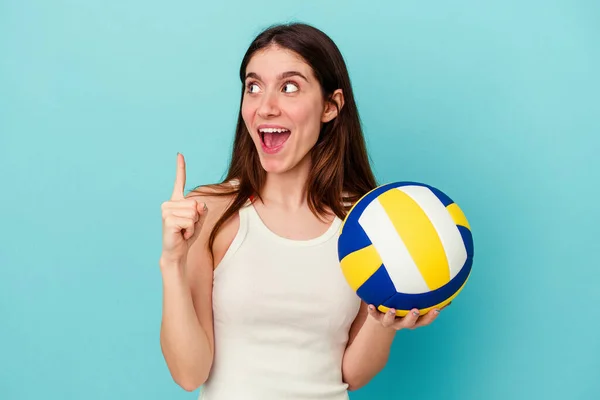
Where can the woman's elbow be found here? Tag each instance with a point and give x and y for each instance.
(189, 384)
(355, 384)
(353, 379)
(190, 378)
(357, 377)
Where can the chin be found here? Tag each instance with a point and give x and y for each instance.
(274, 166)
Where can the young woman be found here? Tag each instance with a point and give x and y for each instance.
(255, 305)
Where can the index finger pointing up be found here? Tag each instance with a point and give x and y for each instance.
(179, 179)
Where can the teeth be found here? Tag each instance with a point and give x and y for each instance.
(273, 130)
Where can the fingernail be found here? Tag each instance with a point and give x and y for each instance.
(415, 312)
(371, 307)
(437, 311)
(205, 207)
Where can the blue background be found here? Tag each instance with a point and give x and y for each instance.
(494, 102)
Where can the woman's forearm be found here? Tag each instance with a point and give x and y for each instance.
(367, 354)
(184, 342)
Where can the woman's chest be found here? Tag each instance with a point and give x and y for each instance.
(299, 288)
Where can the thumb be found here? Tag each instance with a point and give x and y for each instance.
(202, 211)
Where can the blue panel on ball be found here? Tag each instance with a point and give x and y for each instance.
(402, 301)
(467, 237)
(378, 288)
(353, 238)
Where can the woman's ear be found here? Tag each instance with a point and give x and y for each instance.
(333, 106)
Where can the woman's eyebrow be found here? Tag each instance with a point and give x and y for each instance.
(289, 74)
(284, 75)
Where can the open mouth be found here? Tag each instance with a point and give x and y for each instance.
(273, 139)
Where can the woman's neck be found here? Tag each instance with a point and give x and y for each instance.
(288, 189)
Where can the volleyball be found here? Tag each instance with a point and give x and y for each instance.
(406, 245)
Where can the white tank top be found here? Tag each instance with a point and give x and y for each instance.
(282, 312)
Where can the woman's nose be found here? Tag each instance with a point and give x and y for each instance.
(268, 106)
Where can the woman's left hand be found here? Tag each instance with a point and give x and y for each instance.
(412, 320)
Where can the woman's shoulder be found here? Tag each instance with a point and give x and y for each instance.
(215, 194)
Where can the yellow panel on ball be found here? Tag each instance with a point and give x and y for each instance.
(360, 265)
(457, 215)
(419, 235)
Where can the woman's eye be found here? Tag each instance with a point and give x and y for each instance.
(290, 87)
(252, 88)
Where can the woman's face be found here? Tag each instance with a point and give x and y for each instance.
(283, 108)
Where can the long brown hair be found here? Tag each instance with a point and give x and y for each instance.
(340, 163)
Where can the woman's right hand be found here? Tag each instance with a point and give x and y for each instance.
(182, 220)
